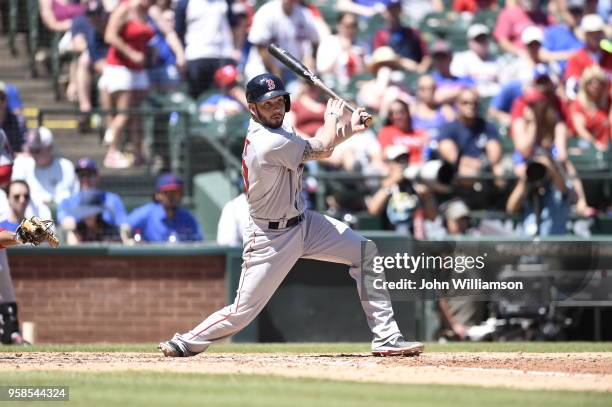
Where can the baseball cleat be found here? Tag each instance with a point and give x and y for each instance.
(399, 347)
(174, 349)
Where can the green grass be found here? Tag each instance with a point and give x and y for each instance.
(545, 347)
(165, 389)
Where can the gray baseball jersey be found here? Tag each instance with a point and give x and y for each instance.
(272, 168)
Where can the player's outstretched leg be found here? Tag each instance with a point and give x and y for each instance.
(331, 240)
(267, 260)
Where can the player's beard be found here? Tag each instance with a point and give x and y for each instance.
(273, 124)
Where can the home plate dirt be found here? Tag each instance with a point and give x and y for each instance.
(558, 371)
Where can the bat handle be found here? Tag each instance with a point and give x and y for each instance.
(367, 121)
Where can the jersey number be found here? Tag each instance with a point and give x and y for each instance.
(245, 169)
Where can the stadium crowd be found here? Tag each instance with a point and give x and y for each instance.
(499, 104)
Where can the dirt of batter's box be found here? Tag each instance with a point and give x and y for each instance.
(561, 371)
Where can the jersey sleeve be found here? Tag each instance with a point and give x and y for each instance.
(278, 150)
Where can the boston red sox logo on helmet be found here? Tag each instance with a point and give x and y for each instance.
(266, 86)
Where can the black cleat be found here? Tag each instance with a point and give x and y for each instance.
(174, 349)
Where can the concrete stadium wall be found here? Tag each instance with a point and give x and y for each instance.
(116, 294)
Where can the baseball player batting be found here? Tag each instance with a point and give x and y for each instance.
(280, 230)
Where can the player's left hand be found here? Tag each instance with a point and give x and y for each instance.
(359, 118)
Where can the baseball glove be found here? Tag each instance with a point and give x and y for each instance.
(36, 231)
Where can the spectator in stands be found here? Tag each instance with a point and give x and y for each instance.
(164, 220)
(448, 85)
(90, 224)
(458, 312)
(307, 111)
(398, 131)
(590, 113)
(477, 62)
(21, 206)
(470, 142)
(18, 198)
(32, 208)
(230, 100)
(404, 204)
(13, 99)
(521, 67)
(593, 27)
(113, 213)
(474, 6)
(341, 56)
(404, 40)
(387, 86)
(234, 220)
(91, 61)
(427, 114)
(588, 7)
(205, 29)
(128, 32)
(539, 128)
(539, 108)
(51, 178)
(161, 64)
(546, 184)
(565, 37)
(513, 20)
(58, 16)
(291, 26)
(11, 124)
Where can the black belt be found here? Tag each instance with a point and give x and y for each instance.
(290, 222)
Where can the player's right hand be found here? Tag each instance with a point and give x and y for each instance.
(335, 109)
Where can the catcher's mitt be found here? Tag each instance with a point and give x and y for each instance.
(36, 231)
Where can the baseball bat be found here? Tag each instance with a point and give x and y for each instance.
(303, 72)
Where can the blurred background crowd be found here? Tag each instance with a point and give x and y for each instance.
(491, 117)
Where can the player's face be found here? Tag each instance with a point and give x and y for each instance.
(271, 112)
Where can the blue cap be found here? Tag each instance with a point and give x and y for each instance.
(86, 164)
(169, 182)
